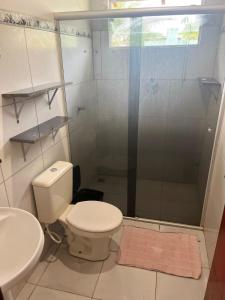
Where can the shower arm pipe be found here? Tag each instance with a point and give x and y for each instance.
(141, 12)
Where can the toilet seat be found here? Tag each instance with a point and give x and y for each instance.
(94, 217)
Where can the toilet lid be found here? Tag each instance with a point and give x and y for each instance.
(94, 216)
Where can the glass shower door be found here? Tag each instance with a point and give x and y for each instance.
(96, 61)
(179, 103)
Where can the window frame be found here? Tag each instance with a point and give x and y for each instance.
(152, 46)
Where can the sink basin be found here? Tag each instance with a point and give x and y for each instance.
(22, 241)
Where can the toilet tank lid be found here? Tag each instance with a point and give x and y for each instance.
(52, 174)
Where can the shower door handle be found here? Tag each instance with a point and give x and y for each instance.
(80, 108)
(209, 130)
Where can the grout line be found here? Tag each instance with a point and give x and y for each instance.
(32, 291)
(54, 289)
(33, 159)
(156, 283)
(98, 278)
(198, 228)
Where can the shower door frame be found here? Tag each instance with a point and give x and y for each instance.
(134, 83)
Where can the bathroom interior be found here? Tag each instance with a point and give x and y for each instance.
(139, 107)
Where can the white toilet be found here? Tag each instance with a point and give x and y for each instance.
(89, 225)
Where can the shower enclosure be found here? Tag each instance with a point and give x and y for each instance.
(144, 105)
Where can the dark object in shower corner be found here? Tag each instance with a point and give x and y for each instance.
(83, 194)
(1, 295)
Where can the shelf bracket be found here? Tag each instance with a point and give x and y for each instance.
(54, 133)
(50, 99)
(24, 151)
(17, 111)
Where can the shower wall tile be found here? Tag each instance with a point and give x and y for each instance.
(112, 162)
(151, 134)
(169, 63)
(81, 100)
(162, 62)
(184, 135)
(201, 59)
(150, 165)
(186, 99)
(81, 104)
(148, 62)
(83, 152)
(113, 98)
(181, 168)
(3, 197)
(154, 98)
(19, 188)
(77, 58)
(112, 127)
(115, 60)
(97, 54)
(112, 133)
(14, 70)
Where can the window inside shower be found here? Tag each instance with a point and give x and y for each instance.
(163, 31)
(144, 115)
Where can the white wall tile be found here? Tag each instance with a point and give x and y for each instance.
(14, 67)
(154, 98)
(43, 56)
(10, 152)
(97, 54)
(77, 58)
(114, 60)
(59, 151)
(3, 196)
(19, 187)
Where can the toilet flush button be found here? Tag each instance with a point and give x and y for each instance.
(53, 170)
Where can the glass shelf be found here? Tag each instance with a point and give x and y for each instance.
(209, 81)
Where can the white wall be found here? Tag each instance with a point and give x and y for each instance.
(43, 8)
(28, 57)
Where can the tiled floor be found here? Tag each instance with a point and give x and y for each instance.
(63, 277)
(158, 200)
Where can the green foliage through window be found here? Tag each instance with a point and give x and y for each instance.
(155, 31)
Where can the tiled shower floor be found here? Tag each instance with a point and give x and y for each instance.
(63, 277)
(166, 201)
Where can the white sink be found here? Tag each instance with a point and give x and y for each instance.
(21, 244)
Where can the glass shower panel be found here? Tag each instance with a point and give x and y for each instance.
(179, 102)
(96, 59)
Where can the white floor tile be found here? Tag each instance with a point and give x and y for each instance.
(47, 258)
(26, 292)
(176, 288)
(42, 293)
(71, 274)
(115, 242)
(124, 283)
(198, 233)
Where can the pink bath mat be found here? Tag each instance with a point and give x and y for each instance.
(172, 253)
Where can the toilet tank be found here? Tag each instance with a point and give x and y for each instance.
(53, 191)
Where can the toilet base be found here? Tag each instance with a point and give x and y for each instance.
(93, 249)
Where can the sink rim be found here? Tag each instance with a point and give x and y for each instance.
(32, 260)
